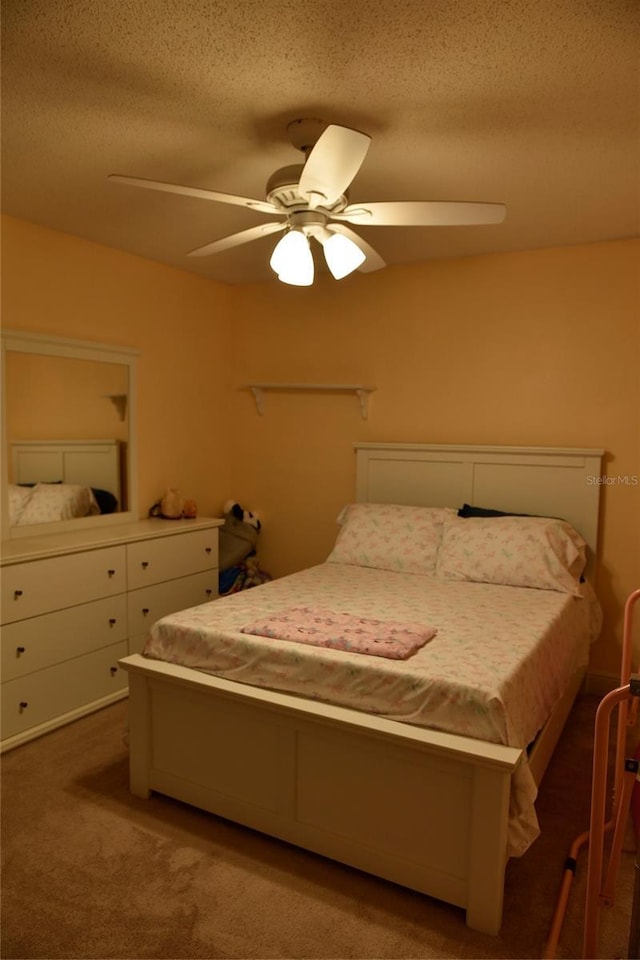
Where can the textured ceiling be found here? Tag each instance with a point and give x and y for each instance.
(534, 103)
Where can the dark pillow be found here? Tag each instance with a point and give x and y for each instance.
(466, 510)
(36, 482)
(105, 500)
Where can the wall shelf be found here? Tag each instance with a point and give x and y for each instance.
(361, 391)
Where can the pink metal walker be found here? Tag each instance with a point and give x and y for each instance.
(625, 697)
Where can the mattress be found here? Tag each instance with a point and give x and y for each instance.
(500, 659)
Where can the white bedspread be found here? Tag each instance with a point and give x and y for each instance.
(501, 658)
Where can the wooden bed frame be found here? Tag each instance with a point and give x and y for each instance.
(426, 809)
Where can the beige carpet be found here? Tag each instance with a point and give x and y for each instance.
(90, 871)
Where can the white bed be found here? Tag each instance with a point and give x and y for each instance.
(423, 807)
(63, 480)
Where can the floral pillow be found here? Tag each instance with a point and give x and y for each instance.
(58, 501)
(517, 551)
(390, 536)
(18, 499)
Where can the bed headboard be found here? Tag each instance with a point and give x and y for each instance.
(556, 482)
(90, 463)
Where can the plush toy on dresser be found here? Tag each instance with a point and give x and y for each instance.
(238, 537)
(173, 506)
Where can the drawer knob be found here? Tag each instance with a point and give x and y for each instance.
(209, 592)
(23, 705)
(20, 650)
(17, 594)
(111, 573)
(145, 610)
(144, 564)
(207, 549)
(113, 671)
(112, 621)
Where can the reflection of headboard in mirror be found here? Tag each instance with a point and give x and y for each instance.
(91, 463)
(68, 393)
(62, 481)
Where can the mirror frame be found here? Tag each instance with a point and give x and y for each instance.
(48, 345)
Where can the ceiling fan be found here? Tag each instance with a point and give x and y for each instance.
(311, 201)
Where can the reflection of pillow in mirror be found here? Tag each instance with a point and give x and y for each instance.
(50, 502)
(18, 499)
(106, 501)
(516, 551)
(390, 536)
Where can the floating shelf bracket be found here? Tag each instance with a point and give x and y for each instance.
(360, 390)
(119, 400)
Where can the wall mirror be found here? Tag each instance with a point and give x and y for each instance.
(68, 434)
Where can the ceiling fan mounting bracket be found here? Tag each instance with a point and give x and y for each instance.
(305, 133)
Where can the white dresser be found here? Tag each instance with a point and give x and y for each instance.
(74, 603)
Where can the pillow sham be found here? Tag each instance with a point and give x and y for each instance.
(390, 536)
(517, 551)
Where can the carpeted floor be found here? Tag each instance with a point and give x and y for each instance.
(91, 872)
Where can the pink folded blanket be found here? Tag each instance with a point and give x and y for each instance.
(344, 631)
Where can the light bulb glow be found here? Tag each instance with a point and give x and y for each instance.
(292, 259)
(343, 256)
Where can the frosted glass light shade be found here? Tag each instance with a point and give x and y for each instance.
(343, 256)
(292, 259)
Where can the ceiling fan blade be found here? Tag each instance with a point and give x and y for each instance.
(262, 206)
(422, 214)
(235, 239)
(373, 259)
(332, 164)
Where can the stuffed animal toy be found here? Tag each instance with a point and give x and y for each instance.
(173, 506)
(238, 536)
(246, 516)
(170, 507)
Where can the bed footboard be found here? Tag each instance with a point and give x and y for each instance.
(423, 809)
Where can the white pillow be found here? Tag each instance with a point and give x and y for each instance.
(390, 536)
(517, 551)
(18, 499)
(58, 501)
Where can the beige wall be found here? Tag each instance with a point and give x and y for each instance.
(63, 398)
(532, 348)
(54, 283)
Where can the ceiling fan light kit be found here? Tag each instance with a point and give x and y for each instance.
(292, 259)
(311, 201)
(342, 255)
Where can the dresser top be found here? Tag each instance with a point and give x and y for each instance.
(56, 544)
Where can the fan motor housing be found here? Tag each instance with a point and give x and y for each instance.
(282, 189)
(282, 186)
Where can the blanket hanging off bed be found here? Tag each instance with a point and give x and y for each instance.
(344, 631)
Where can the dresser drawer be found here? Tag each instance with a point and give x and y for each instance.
(149, 604)
(152, 561)
(29, 589)
(41, 696)
(39, 642)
